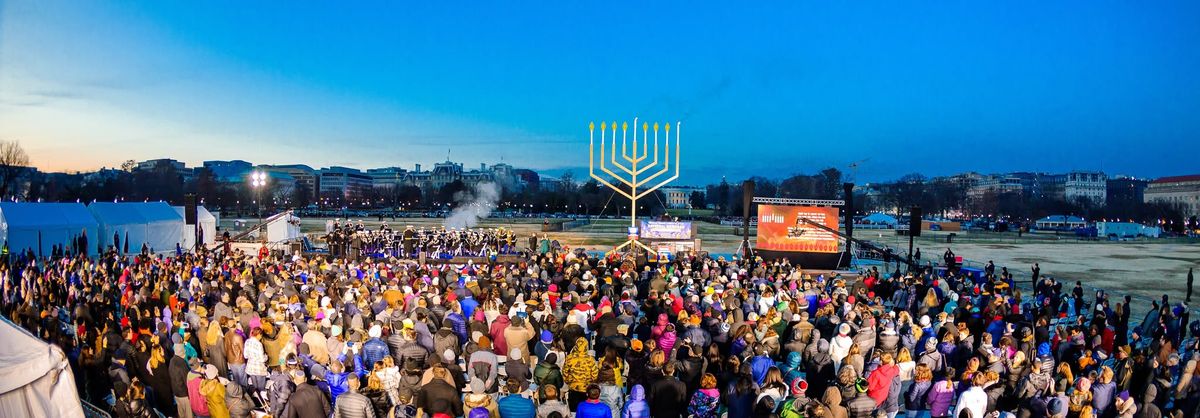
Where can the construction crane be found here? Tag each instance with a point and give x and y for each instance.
(854, 168)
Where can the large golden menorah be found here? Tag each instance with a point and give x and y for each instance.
(632, 173)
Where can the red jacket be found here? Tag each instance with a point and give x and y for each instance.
(880, 381)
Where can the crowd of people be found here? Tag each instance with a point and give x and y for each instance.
(217, 333)
(356, 241)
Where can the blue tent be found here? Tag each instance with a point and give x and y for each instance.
(41, 226)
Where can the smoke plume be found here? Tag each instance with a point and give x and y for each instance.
(473, 205)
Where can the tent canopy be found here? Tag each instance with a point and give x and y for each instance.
(880, 218)
(27, 225)
(207, 223)
(155, 224)
(35, 377)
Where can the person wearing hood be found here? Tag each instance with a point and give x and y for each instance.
(819, 368)
(578, 372)
(792, 368)
(375, 349)
(1124, 405)
(839, 346)
(214, 393)
(636, 406)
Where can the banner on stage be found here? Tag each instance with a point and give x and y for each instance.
(666, 230)
(779, 228)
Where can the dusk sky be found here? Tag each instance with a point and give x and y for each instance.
(770, 89)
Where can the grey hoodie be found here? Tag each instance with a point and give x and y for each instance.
(237, 402)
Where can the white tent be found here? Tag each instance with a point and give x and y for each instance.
(283, 227)
(208, 227)
(35, 377)
(155, 224)
(30, 225)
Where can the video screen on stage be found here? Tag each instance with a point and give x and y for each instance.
(779, 228)
(666, 230)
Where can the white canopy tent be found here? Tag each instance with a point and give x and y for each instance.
(154, 224)
(208, 227)
(41, 226)
(35, 377)
(283, 227)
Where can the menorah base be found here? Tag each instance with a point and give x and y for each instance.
(631, 245)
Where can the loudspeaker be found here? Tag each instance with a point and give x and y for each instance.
(747, 199)
(189, 209)
(914, 221)
(848, 210)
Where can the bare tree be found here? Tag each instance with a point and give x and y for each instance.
(13, 162)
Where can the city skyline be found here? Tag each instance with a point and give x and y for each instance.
(772, 91)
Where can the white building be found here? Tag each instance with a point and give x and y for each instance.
(1180, 192)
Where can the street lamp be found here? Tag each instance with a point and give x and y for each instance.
(258, 180)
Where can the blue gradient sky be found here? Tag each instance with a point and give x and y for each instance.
(771, 89)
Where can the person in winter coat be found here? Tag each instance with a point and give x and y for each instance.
(706, 401)
(579, 371)
(1124, 405)
(235, 399)
(592, 407)
(353, 404)
(214, 393)
(306, 401)
(792, 368)
(915, 404)
(861, 406)
(281, 390)
(941, 396)
(839, 346)
(1103, 392)
(483, 366)
(636, 406)
(666, 341)
(551, 404)
(974, 399)
(833, 403)
(515, 404)
(879, 382)
(667, 395)
(797, 402)
(518, 334)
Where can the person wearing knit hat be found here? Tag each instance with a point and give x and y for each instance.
(636, 345)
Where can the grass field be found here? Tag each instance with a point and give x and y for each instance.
(1147, 268)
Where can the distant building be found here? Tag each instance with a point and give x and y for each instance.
(679, 197)
(346, 183)
(1126, 190)
(228, 171)
(1076, 185)
(1180, 192)
(387, 177)
(996, 183)
(302, 176)
(166, 163)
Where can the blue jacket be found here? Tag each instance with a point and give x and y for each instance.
(636, 406)
(587, 409)
(458, 324)
(374, 350)
(758, 368)
(337, 384)
(516, 406)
